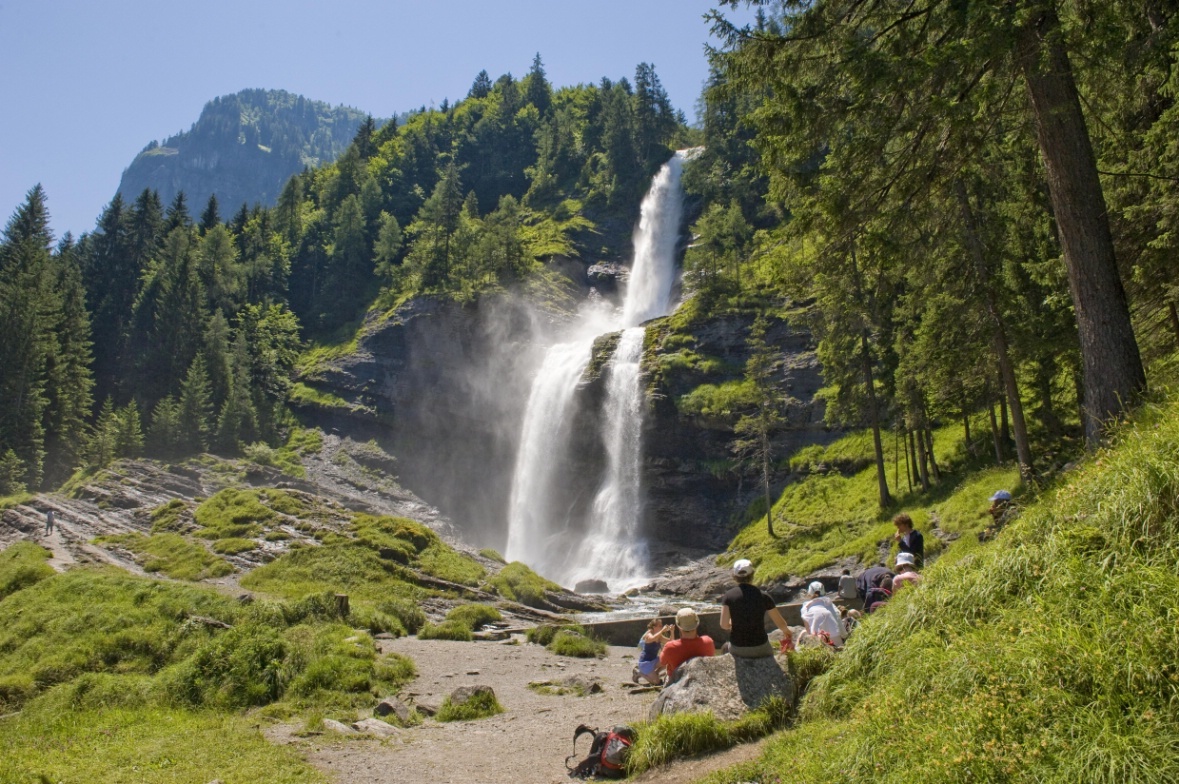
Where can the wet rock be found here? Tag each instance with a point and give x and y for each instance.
(591, 586)
(726, 686)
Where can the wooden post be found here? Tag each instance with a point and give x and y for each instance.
(342, 605)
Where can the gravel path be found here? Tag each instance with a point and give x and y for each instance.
(527, 744)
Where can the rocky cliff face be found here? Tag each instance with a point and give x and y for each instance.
(443, 386)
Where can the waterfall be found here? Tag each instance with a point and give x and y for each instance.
(607, 545)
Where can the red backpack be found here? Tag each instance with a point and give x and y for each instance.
(607, 754)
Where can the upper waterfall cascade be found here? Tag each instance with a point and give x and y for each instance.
(606, 543)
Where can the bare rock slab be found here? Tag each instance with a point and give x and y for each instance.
(727, 686)
(375, 727)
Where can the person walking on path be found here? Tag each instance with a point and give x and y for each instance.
(908, 538)
(688, 646)
(743, 615)
(49, 522)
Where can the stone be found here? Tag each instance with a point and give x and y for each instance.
(727, 686)
(463, 693)
(392, 706)
(331, 725)
(426, 708)
(591, 586)
(375, 727)
(582, 683)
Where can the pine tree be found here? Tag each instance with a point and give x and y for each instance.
(238, 420)
(537, 90)
(481, 87)
(211, 216)
(196, 408)
(165, 436)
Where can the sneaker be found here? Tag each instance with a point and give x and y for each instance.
(634, 675)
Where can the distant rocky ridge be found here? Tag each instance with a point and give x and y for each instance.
(243, 148)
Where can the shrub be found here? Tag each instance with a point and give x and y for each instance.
(544, 633)
(474, 616)
(447, 630)
(331, 568)
(169, 517)
(238, 668)
(234, 546)
(404, 610)
(445, 563)
(21, 565)
(479, 706)
(681, 735)
(568, 642)
(396, 670)
(232, 513)
(173, 555)
(492, 555)
(375, 621)
(517, 583)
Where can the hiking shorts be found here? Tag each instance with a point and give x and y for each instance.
(647, 668)
(752, 651)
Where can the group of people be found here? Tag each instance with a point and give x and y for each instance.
(745, 607)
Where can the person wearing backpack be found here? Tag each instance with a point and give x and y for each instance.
(878, 595)
(870, 578)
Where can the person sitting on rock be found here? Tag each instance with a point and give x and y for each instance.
(821, 616)
(906, 572)
(847, 585)
(743, 615)
(869, 579)
(878, 595)
(688, 646)
(648, 667)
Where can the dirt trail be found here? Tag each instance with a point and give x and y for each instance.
(527, 744)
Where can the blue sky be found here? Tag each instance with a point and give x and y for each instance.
(85, 84)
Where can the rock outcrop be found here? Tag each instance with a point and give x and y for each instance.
(725, 685)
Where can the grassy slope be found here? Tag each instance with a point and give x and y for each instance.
(1051, 654)
(831, 515)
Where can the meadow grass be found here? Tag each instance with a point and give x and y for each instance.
(479, 706)
(568, 642)
(474, 616)
(174, 555)
(22, 564)
(132, 745)
(1048, 655)
(447, 630)
(517, 583)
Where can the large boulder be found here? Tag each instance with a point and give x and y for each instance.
(727, 686)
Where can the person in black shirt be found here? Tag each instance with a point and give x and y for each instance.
(870, 578)
(743, 615)
(908, 538)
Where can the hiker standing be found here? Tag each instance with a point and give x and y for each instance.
(49, 522)
(908, 538)
(743, 615)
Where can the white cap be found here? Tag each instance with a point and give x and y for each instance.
(743, 568)
(906, 558)
(1002, 495)
(815, 589)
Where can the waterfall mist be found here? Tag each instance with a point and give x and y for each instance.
(551, 527)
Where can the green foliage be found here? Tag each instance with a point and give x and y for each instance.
(474, 616)
(684, 735)
(123, 745)
(573, 642)
(232, 513)
(176, 556)
(517, 583)
(233, 545)
(449, 629)
(404, 610)
(724, 401)
(22, 564)
(1047, 655)
(336, 568)
(492, 555)
(442, 561)
(479, 706)
(169, 517)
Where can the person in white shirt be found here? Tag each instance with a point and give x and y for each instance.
(821, 616)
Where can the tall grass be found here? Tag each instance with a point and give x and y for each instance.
(1050, 655)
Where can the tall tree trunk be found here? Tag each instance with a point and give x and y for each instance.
(1045, 372)
(995, 435)
(966, 433)
(870, 390)
(934, 471)
(924, 480)
(974, 246)
(922, 461)
(908, 465)
(1004, 427)
(1113, 373)
(1174, 315)
(765, 483)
